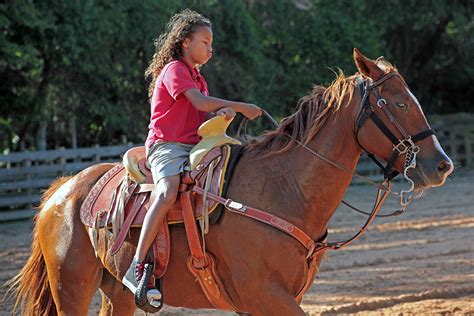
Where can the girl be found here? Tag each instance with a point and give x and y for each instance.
(179, 102)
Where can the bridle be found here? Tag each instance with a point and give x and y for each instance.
(406, 145)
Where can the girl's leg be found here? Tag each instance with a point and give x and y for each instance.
(166, 192)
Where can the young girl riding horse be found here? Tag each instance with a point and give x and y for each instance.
(179, 101)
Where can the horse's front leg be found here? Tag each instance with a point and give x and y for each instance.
(115, 299)
(275, 301)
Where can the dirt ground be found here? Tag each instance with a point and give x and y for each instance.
(421, 262)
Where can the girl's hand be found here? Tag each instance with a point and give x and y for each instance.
(228, 113)
(251, 111)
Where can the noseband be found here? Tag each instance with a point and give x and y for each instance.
(405, 145)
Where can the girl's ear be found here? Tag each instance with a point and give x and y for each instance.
(186, 42)
(366, 66)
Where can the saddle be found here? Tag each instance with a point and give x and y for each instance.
(119, 202)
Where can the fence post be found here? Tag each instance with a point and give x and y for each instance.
(62, 159)
(468, 147)
(453, 144)
(96, 155)
(28, 164)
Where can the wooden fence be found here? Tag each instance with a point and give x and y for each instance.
(23, 175)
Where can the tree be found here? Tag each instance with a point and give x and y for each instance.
(432, 45)
(72, 73)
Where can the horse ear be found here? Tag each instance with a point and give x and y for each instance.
(383, 64)
(366, 66)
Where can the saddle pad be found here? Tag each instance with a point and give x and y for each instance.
(236, 152)
(102, 199)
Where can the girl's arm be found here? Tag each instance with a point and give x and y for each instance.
(212, 104)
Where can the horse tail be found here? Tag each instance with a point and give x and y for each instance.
(30, 287)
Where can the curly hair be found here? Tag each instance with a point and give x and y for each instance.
(168, 44)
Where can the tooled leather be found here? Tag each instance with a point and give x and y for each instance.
(91, 205)
(161, 250)
(211, 284)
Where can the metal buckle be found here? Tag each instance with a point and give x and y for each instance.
(311, 246)
(402, 147)
(235, 206)
(381, 102)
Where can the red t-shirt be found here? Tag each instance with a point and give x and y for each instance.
(173, 118)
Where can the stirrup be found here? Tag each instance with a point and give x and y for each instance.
(149, 300)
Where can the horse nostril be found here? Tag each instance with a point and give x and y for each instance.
(444, 166)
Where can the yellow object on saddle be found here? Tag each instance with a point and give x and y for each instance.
(213, 133)
(130, 161)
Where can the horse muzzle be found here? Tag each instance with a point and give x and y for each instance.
(432, 171)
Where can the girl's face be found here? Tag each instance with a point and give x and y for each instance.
(197, 49)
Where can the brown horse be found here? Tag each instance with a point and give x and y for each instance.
(261, 267)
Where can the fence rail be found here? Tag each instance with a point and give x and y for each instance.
(23, 175)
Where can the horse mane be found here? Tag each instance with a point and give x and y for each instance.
(312, 112)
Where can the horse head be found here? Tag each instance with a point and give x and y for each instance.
(391, 125)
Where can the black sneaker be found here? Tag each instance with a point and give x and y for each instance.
(130, 277)
(138, 280)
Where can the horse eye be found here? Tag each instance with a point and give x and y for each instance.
(404, 106)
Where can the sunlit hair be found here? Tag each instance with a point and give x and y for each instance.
(168, 44)
(304, 124)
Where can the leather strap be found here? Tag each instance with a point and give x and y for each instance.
(312, 268)
(263, 217)
(127, 224)
(367, 111)
(202, 265)
(197, 254)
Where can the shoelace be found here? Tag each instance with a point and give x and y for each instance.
(140, 267)
(139, 271)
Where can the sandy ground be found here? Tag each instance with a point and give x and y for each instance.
(421, 262)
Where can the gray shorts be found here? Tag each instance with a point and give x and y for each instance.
(167, 159)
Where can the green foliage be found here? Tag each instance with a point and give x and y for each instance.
(81, 63)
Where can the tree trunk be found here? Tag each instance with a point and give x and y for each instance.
(42, 106)
(73, 131)
(41, 141)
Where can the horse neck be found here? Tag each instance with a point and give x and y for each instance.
(312, 187)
